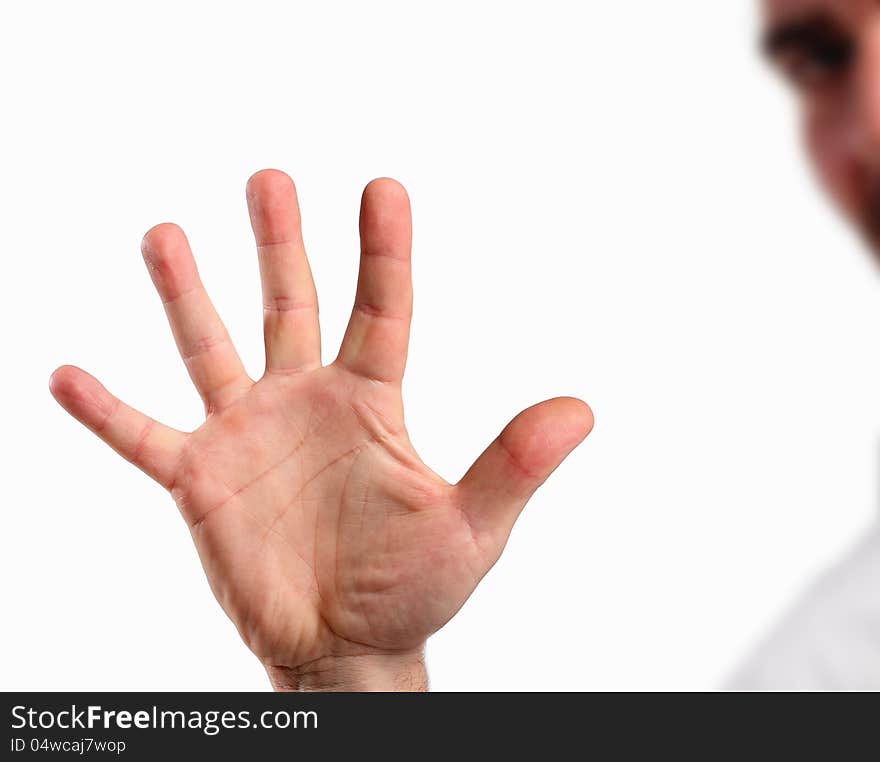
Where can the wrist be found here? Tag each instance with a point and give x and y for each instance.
(403, 671)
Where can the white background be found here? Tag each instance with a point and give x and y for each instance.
(609, 201)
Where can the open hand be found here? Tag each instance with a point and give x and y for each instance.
(331, 546)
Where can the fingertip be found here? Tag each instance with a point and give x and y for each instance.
(268, 181)
(273, 207)
(160, 240)
(73, 388)
(61, 380)
(540, 437)
(575, 415)
(386, 219)
(169, 260)
(386, 189)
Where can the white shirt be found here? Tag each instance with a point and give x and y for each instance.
(830, 639)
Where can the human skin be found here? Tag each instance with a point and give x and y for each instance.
(331, 546)
(834, 67)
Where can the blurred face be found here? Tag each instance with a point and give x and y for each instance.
(829, 50)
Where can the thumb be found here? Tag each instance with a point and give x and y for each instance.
(499, 484)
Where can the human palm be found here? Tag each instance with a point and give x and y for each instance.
(323, 535)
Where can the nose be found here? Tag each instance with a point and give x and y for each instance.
(866, 94)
